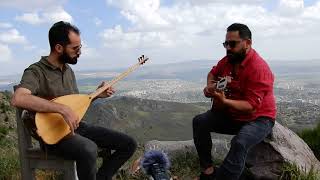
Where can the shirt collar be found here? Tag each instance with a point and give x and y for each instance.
(44, 60)
(248, 57)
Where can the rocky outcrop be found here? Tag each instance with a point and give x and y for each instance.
(264, 161)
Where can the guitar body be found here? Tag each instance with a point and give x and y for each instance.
(51, 127)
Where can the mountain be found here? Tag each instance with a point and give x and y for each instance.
(146, 119)
(162, 120)
(302, 71)
(197, 69)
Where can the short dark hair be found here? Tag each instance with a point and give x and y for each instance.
(59, 33)
(244, 31)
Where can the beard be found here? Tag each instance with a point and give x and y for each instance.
(236, 57)
(65, 58)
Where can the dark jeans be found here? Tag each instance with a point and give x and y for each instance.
(83, 146)
(247, 134)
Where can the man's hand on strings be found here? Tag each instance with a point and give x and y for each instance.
(209, 90)
(107, 93)
(219, 98)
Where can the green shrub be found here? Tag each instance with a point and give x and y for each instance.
(9, 163)
(3, 131)
(312, 138)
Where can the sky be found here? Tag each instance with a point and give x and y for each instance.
(115, 32)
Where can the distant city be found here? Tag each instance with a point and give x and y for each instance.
(180, 86)
(296, 81)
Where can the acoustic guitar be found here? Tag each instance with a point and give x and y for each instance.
(220, 86)
(51, 127)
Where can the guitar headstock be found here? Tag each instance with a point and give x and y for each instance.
(142, 59)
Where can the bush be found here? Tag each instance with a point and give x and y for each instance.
(312, 138)
(3, 131)
(9, 163)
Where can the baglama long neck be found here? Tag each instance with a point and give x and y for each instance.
(115, 80)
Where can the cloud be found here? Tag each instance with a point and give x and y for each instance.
(38, 11)
(290, 7)
(193, 27)
(49, 16)
(5, 25)
(30, 18)
(140, 12)
(312, 12)
(29, 47)
(5, 52)
(206, 2)
(30, 5)
(97, 21)
(12, 36)
(116, 37)
(89, 52)
(57, 14)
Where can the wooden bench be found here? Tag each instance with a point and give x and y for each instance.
(32, 157)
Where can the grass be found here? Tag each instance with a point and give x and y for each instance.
(125, 172)
(3, 131)
(184, 166)
(292, 172)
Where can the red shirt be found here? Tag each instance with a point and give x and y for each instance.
(252, 83)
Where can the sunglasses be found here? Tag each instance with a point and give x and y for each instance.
(231, 44)
(76, 48)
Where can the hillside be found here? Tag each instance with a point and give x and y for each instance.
(162, 120)
(144, 120)
(7, 116)
(9, 164)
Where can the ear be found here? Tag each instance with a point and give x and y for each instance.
(248, 42)
(59, 48)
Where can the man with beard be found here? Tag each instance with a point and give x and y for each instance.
(245, 108)
(52, 77)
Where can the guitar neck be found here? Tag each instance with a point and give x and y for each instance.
(114, 81)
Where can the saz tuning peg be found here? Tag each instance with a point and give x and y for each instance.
(142, 59)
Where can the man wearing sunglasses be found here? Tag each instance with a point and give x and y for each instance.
(52, 77)
(244, 108)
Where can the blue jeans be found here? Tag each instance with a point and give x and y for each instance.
(247, 134)
(83, 148)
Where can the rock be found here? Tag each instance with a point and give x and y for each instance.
(264, 161)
